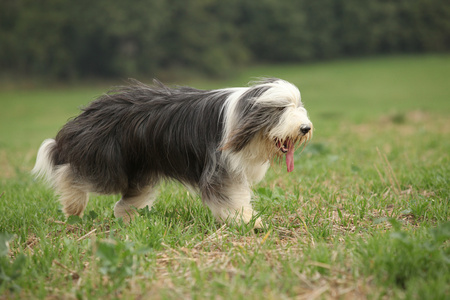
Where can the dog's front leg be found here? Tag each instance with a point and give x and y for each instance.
(231, 204)
(132, 200)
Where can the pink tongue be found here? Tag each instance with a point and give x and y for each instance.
(290, 157)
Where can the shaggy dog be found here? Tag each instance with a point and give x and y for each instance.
(219, 142)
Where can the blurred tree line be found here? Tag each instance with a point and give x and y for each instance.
(70, 39)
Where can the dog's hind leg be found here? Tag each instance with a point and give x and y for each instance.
(72, 194)
(134, 199)
(231, 204)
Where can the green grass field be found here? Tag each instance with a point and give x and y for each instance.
(365, 214)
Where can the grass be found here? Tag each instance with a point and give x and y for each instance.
(365, 214)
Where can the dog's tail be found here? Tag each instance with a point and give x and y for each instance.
(44, 167)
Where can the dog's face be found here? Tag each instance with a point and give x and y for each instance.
(293, 130)
(268, 121)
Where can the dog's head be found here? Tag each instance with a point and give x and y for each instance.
(267, 121)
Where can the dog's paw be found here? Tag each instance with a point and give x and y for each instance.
(124, 211)
(258, 224)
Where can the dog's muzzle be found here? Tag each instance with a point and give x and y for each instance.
(304, 129)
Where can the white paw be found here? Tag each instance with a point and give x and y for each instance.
(124, 211)
(258, 223)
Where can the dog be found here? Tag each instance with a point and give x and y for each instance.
(219, 142)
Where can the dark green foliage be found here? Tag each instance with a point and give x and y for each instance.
(408, 261)
(10, 269)
(118, 259)
(69, 39)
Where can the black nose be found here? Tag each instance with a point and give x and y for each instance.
(305, 129)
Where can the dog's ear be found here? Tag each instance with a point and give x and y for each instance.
(258, 119)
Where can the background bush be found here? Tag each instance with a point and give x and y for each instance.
(104, 38)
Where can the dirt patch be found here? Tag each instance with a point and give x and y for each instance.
(404, 124)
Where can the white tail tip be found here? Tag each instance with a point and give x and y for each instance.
(44, 167)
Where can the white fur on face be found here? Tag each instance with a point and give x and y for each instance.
(290, 123)
(280, 93)
(295, 116)
(252, 162)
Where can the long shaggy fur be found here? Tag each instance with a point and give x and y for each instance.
(217, 141)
